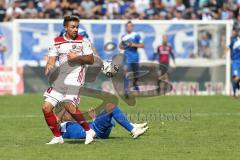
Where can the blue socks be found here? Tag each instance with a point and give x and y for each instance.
(235, 86)
(121, 118)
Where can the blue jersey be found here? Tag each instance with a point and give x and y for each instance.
(235, 49)
(131, 53)
(235, 56)
(1, 58)
(102, 125)
(2, 44)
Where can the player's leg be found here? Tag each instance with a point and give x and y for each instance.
(235, 84)
(69, 128)
(162, 76)
(119, 116)
(122, 119)
(52, 97)
(76, 114)
(70, 103)
(102, 123)
(126, 80)
(135, 68)
(235, 78)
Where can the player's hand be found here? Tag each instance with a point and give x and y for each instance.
(71, 55)
(48, 68)
(129, 44)
(92, 113)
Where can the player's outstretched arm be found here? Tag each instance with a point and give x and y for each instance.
(87, 54)
(50, 64)
(121, 46)
(92, 113)
(137, 45)
(84, 59)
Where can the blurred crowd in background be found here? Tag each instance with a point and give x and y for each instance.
(121, 9)
(129, 9)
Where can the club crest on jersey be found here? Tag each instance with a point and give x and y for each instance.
(74, 46)
(77, 48)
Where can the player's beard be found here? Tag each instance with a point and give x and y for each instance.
(74, 35)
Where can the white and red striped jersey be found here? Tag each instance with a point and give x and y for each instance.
(60, 49)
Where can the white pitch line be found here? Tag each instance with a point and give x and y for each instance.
(214, 114)
(19, 116)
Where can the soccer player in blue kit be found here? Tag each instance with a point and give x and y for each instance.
(130, 42)
(102, 124)
(235, 64)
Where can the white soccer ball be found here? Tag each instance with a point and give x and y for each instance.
(109, 69)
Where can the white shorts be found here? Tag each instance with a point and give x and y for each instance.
(54, 97)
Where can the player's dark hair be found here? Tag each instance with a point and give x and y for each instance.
(129, 22)
(70, 18)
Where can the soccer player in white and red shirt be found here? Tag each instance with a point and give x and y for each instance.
(73, 52)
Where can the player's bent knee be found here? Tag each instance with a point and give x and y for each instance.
(47, 107)
(69, 106)
(109, 107)
(51, 101)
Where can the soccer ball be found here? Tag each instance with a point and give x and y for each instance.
(109, 69)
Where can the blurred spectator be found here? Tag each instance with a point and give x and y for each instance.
(169, 16)
(150, 12)
(141, 5)
(99, 2)
(180, 6)
(207, 14)
(236, 25)
(2, 10)
(30, 11)
(158, 5)
(121, 9)
(187, 3)
(111, 9)
(202, 3)
(193, 16)
(51, 9)
(88, 6)
(224, 12)
(168, 4)
(14, 11)
(131, 12)
(204, 43)
(124, 5)
(65, 7)
(177, 15)
(77, 10)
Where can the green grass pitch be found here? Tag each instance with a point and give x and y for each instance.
(181, 128)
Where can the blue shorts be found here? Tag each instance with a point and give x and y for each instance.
(235, 69)
(102, 125)
(73, 130)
